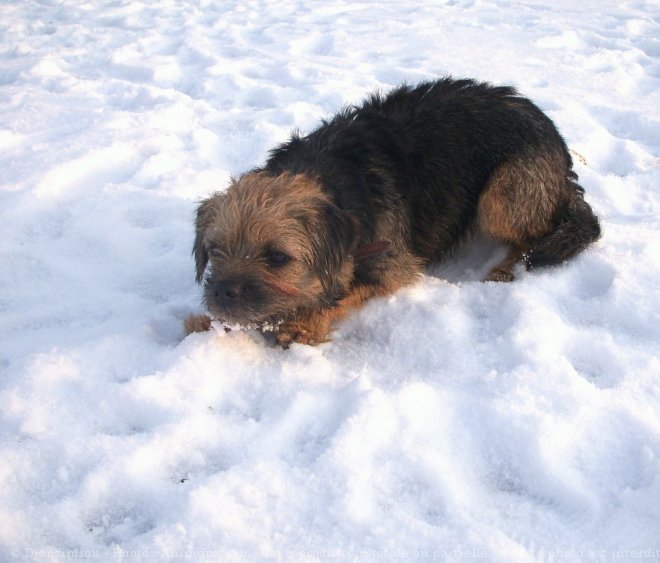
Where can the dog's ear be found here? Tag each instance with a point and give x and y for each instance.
(335, 236)
(202, 221)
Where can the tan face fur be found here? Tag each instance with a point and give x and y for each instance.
(277, 247)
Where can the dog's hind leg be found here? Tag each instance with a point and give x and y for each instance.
(503, 272)
(534, 204)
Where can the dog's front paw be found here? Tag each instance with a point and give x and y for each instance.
(288, 333)
(196, 323)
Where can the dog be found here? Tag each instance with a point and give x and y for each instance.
(357, 208)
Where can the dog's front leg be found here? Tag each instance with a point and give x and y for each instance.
(314, 327)
(196, 323)
(311, 329)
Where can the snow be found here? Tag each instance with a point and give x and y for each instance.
(454, 420)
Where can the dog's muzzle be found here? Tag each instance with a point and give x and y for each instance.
(227, 293)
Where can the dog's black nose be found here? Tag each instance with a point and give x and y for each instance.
(227, 291)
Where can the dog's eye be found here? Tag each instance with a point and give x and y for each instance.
(277, 258)
(214, 251)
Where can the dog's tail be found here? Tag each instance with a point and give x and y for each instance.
(576, 227)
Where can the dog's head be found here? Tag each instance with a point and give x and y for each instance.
(276, 245)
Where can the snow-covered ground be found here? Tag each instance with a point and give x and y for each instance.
(455, 420)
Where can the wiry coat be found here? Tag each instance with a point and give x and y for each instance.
(412, 165)
(406, 176)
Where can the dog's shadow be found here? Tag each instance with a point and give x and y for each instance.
(471, 262)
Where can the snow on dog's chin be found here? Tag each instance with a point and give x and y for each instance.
(263, 326)
(244, 320)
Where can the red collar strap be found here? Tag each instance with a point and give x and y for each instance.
(371, 250)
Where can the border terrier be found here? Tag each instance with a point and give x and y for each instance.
(358, 207)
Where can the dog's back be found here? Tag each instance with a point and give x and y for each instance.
(436, 160)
